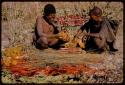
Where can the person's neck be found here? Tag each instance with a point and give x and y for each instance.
(46, 19)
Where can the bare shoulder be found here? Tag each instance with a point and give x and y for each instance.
(39, 19)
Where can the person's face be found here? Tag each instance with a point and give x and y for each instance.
(51, 17)
(95, 18)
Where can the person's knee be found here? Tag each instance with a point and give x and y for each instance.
(43, 40)
(42, 43)
(100, 43)
(101, 46)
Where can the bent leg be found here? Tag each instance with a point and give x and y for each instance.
(42, 43)
(53, 42)
(100, 42)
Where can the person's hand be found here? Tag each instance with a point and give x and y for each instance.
(86, 34)
(60, 37)
(49, 36)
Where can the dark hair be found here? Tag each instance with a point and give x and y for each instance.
(95, 11)
(49, 9)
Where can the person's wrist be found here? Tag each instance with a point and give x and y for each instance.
(87, 34)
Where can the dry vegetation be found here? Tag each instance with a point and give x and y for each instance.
(18, 19)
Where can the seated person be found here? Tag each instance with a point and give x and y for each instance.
(46, 28)
(99, 32)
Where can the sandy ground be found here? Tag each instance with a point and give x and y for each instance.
(106, 60)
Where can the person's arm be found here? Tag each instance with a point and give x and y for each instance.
(80, 31)
(39, 28)
(93, 35)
